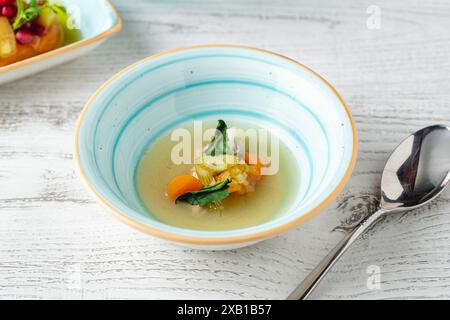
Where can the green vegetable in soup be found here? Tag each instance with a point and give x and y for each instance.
(209, 166)
(219, 143)
(206, 196)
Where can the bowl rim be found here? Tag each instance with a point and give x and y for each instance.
(71, 47)
(252, 237)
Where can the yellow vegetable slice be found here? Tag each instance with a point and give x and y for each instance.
(8, 46)
(210, 166)
(47, 17)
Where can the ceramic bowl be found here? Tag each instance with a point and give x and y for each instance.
(98, 20)
(152, 96)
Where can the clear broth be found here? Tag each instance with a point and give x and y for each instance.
(271, 198)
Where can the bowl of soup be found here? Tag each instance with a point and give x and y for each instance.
(216, 146)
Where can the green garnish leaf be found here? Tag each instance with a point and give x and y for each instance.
(219, 143)
(28, 14)
(19, 20)
(206, 195)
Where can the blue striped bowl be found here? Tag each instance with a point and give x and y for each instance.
(152, 96)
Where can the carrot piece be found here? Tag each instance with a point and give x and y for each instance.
(258, 165)
(181, 185)
(234, 187)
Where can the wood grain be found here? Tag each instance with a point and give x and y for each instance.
(55, 242)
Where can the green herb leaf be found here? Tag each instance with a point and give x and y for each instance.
(19, 16)
(28, 14)
(206, 195)
(219, 143)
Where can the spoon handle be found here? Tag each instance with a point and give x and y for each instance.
(305, 288)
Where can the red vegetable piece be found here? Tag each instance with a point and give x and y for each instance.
(9, 11)
(24, 36)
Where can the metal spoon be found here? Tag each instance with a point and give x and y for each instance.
(416, 173)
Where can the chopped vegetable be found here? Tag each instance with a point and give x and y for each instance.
(219, 143)
(181, 185)
(47, 17)
(61, 12)
(206, 196)
(25, 14)
(255, 161)
(210, 166)
(218, 164)
(220, 172)
(7, 39)
(9, 11)
(70, 32)
(205, 176)
(243, 178)
(24, 36)
(45, 13)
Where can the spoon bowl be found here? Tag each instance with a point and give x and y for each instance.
(418, 170)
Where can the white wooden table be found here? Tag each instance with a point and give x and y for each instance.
(55, 242)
